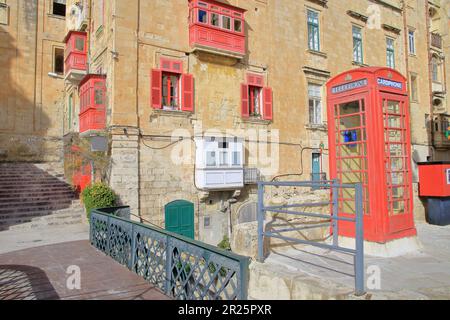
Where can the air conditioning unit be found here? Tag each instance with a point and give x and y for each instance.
(219, 163)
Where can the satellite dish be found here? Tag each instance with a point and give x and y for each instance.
(75, 17)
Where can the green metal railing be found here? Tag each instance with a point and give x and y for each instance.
(181, 267)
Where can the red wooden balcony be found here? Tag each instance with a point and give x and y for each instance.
(75, 56)
(92, 103)
(217, 28)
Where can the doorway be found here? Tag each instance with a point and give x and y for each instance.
(179, 217)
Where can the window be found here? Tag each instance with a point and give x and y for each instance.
(4, 12)
(435, 69)
(79, 44)
(315, 103)
(170, 91)
(59, 8)
(237, 25)
(414, 89)
(357, 45)
(412, 42)
(226, 22)
(313, 30)
(215, 20)
(202, 16)
(223, 160)
(255, 101)
(236, 158)
(390, 53)
(210, 158)
(58, 62)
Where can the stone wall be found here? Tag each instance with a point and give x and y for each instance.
(30, 101)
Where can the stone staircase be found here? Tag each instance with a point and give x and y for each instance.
(36, 196)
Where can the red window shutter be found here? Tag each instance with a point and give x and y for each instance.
(268, 103)
(244, 101)
(156, 89)
(187, 87)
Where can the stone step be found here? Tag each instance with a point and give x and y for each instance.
(36, 195)
(42, 213)
(26, 203)
(34, 208)
(35, 189)
(6, 202)
(32, 182)
(40, 225)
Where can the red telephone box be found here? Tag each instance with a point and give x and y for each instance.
(370, 143)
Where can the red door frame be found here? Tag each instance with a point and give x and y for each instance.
(372, 84)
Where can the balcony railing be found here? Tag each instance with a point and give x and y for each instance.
(436, 40)
(184, 269)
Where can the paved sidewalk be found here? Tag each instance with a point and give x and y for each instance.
(313, 273)
(18, 240)
(41, 273)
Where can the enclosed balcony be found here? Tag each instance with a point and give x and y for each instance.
(217, 28)
(75, 56)
(219, 163)
(92, 104)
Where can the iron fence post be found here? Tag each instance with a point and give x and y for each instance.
(133, 248)
(108, 236)
(335, 223)
(359, 256)
(244, 278)
(91, 231)
(260, 222)
(168, 265)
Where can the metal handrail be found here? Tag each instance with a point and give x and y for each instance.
(334, 217)
(191, 247)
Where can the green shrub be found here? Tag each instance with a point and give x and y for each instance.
(98, 195)
(225, 244)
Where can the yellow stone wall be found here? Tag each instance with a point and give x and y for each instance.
(31, 102)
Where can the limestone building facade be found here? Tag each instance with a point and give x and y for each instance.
(158, 80)
(32, 80)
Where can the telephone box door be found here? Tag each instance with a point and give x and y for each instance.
(397, 163)
(350, 120)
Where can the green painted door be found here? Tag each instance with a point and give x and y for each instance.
(180, 218)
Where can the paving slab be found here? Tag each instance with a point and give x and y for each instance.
(42, 273)
(424, 274)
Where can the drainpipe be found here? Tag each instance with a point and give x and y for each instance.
(430, 82)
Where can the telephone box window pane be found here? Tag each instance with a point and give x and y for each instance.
(226, 22)
(237, 25)
(215, 19)
(393, 107)
(397, 164)
(202, 16)
(349, 108)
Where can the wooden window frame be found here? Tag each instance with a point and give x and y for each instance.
(52, 10)
(61, 49)
(412, 42)
(221, 12)
(315, 99)
(361, 43)
(313, 26)
(390, 52)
